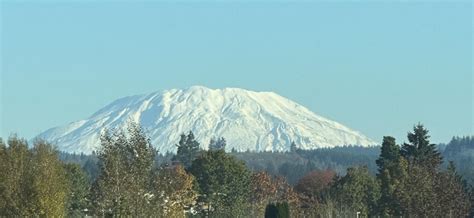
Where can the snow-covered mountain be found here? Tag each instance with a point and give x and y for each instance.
(248, 120)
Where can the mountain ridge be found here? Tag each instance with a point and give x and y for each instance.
(249, 120)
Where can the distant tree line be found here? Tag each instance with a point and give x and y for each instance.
(460, 150)
(128, 177)
(293, 165)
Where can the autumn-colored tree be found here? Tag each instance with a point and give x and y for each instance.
(267, 189)
(15, 182)
(263, 191)
(316, 184)
(286, 193)
(173, 191)
(49, 181)
(314, 188)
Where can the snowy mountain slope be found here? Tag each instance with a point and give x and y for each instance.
(248, 120)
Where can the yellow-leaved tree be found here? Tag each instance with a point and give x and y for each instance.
(174, 191)
(49, 182)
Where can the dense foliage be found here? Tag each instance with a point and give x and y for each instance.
(277, 210)
(34, 182)
(223, 182)
(128, 177)
(294, 165)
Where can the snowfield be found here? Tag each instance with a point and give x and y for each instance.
(256, 121)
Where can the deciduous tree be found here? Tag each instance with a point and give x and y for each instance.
(173, 191)
(49, 181)
(357, 190)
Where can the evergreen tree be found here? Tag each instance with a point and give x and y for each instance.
(389, 155)
(293, 147)
(416, 192)
(224, 183)
(389, 175)
(460, 150)
(459, 145)
(91, 168)
(218, 144)
(188, 149)
(423, 193)
(78, 184)
(420, 151)
(278, 210)
(452, 193)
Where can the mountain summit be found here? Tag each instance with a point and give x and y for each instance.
(256, 121)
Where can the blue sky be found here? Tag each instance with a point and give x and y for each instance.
(376, 67)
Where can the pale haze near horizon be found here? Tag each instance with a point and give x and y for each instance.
(378, 68)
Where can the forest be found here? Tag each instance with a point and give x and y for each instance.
(127, 176)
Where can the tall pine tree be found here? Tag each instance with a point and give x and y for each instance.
(389, 175)
(188, 149)
(420, 151)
